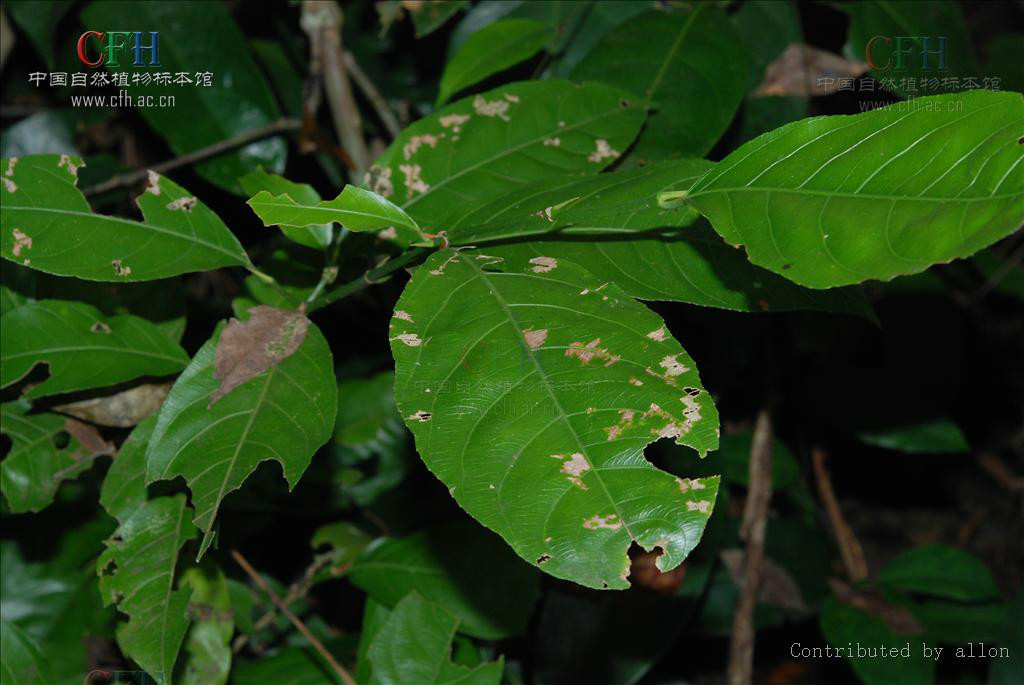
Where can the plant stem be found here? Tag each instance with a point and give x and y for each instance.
(121, 180)
(370, 277)
(296, 621)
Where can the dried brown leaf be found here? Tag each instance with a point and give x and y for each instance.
(248, 348)
(777, 586)
(89, 438)
(120, 410)
(806, 70)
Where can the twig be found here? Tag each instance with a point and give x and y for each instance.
(380, 105)
(752, 530)
(121, 180)
(997, 469)
(321, 20)
(370, 277)
(296, 621)
(850, 551)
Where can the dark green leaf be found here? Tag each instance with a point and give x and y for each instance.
(675, 60)
(942, 571)
(933, 437)
(48, 225)
(430, 15)
(767, 28)
(197, 36)
(492, 49)
(414, 646)
(532, 395)
(82, 348)
(39, 20)
(21, 661)
(837, 200)
(207, 659)
(444, 564)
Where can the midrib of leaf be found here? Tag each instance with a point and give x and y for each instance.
(673, 50)
(562, 414)
(136, 224)
(208, 535)
(504, 153)
(331, 210)
(92, 348)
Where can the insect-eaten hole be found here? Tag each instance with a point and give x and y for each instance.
(624, 103)
(61, 439)
(543, 558)
(110, 568)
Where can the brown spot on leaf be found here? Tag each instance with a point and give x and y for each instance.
(410, 339)
(610, 522)
(542, 265)
(21, 241)
(100, 327)
(248, 348)
(672, 365)
(535, 338)
(574, 467)
(603, 151)
(9, 185)
(421, 416)
(657, 335)
(404, 316)
(66, 163)
(496, 108)
(590, 351)
(120, 269)
(154, 182)
(182, 203)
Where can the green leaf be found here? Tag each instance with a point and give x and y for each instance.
(286, 666)
(39, 461)
(912, 27)
(365, 407)
(207, 646)
(21, 661)
(532, 395)
(414, 646)
(675, 60)
(48, 225)
(605, 223)
(942, 571)
(81, 347)
(837, 200)
(443, 563)
(1008, 671)
(492, 49)
(355, 208)
(844, 626)
(317, 236)
(195, 37)
(346, 542)
(136, 571)
(374, 616)
(933, 437)
(484, 146)
(39, 20)
(216, 439)
(579, 27)
(430, 15)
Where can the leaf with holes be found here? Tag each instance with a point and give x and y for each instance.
(613, 225)
(249, 395)
(44, 453)
(47, 224)
(414, 645)
(836, 200)
(483, 146)
(675, 60)
(81, 347)
(357, 209)
(490, 50)
(532, 387)
(136, 571)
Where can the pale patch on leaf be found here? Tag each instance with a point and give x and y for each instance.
(658, 334)
(66, 163)
(587, 352)
(404, 316)
(21, 242)
(414, 144)
(672, 366)
(603, 151)
(121, 410)
(454, 121)
(120, 269)
(379, 181)
(154, 182)
(410, 339)
(182, 203)
(552, 142)
(495, 108)
(413, 183)
(535, 338)
(248, 348)
(543, 265)
(609, 522)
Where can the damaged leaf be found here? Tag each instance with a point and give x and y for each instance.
(838, 200)
(44, 453)
(249, 348)
(318, 236)
(47, 224)
(357, 209)
(122, 409)
(484, 146)
(81, 347)
(137, 570)
(415, 621)
(544, 443)
(284, 412)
